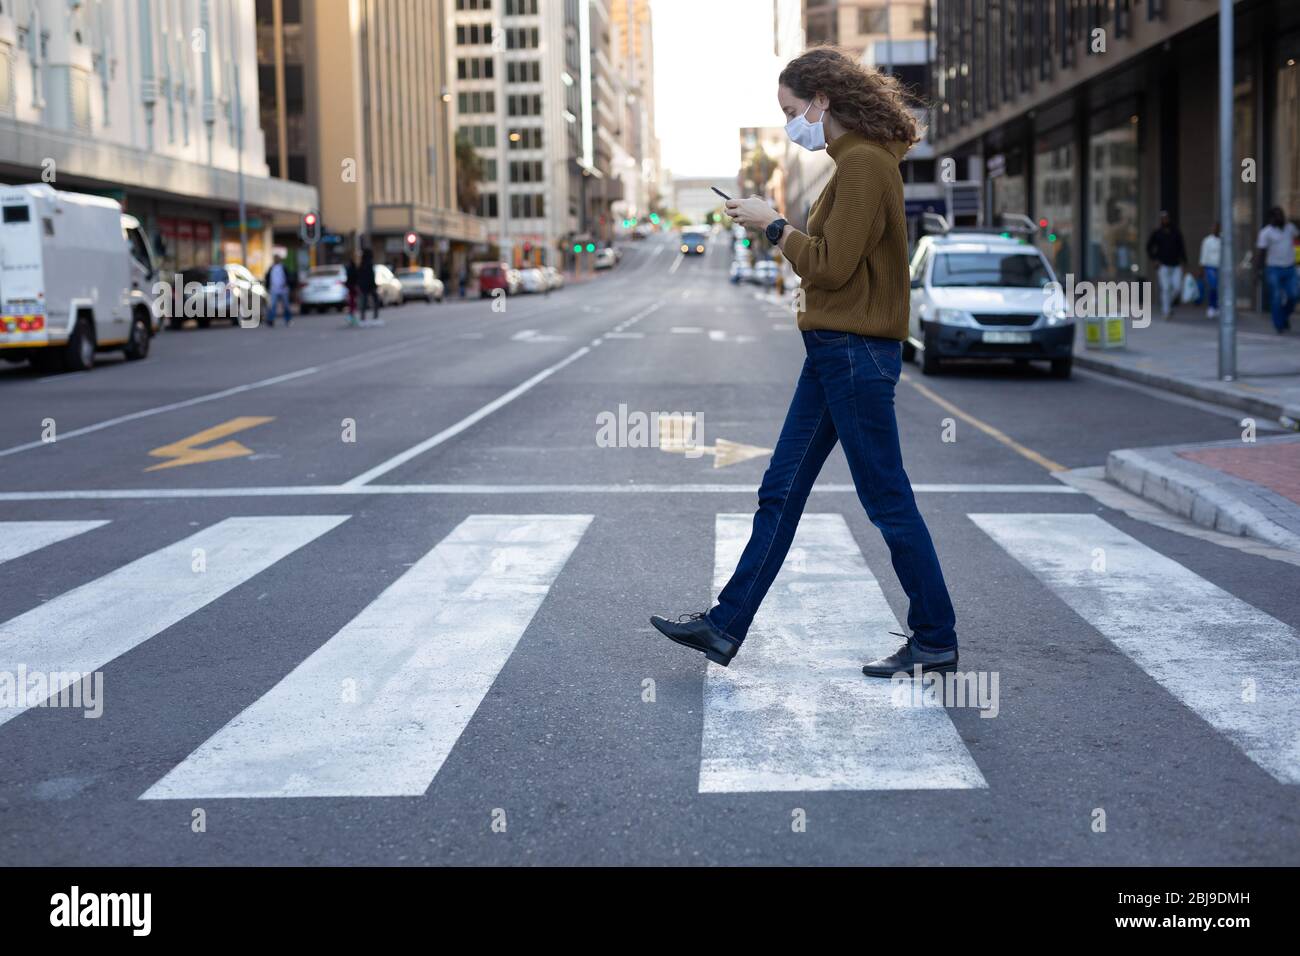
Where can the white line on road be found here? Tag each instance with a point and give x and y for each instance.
(676, 263)
(1233, 665)
(376, 710)
(310, 491)
(88, 627)
(473, 418)
(23, 537)
(793, 711)
(686, 330)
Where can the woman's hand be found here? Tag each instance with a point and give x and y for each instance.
(752, 212)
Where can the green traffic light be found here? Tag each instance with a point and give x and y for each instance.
(654, 217)
(746, 243)
(1051, 237)
(577, 247)
(591, 247)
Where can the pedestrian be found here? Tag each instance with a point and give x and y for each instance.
(352, 277)
(1275, 261)
(853, 263)
(278, 285)
(1166, 247)
(1211, 253)
(463, 280)
(369, 290)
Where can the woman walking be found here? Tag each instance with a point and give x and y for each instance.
(853, 263)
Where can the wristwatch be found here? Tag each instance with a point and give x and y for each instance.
(774, 230)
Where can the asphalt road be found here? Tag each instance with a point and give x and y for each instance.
(400, 615)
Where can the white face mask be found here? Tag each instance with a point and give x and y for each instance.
(806, 134)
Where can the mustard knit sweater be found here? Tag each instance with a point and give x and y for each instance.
(853, 259)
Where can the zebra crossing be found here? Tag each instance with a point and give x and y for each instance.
(378, 707)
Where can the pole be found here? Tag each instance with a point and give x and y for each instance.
(889, 40)
(1227, 177)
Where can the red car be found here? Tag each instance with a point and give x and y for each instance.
(493, 276)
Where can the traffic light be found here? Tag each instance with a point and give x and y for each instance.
(577, 248)
(412, 244)
(591, 247)
(654, 217)
(309, 229)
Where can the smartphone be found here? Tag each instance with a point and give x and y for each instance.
(720, 192)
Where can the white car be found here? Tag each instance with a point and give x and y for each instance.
(76, 276)
(532, 280)
(982, 295)
(554, 277)
(606, 258)
(389, 289)
(326, 288)
(420, 283)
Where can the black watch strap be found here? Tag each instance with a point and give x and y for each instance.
(774, 230)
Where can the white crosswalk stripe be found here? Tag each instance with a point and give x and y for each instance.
(1233, 665)
(793, 711)
(377, 709)
(18, 538)
(84, 629)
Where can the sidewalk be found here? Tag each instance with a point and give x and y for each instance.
(1181, 355)
(1239, 488)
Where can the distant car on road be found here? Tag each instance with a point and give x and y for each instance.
(228, 292)
(326, 288)
(420, 283)
(387, 286)
(981, 295)
(606, 258)
(694, 242)
(741, 271)
(493, 276)
(554, 277)
(764, 273)
(533, 281)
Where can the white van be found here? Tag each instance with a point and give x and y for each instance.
(76, 276)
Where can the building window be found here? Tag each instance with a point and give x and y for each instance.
(873, 20)
(484, 136)
(1113, 200)
(476, 101)
(487, 205)
(523, 38)
(474, 68)
(527, 206)
(524, 104)
(527, 137)
(527, 171)
(524, 71)
(473, 4)
(473, 34)
(1055, 172)
(521, 8)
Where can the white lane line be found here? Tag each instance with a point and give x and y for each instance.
(312, 491)
(23, 537)
(1210, 650)
(376, 710)
(793, 711)
(90, 626)
(624, 335)
(676, 263)
(473, 418)
(686, 330)
(160, 409)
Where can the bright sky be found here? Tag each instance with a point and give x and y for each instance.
(715, 72)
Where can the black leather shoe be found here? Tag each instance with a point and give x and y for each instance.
(907, 657)
(697, 631)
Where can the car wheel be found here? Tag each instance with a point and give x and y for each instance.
(137, 345)
(1061, 368)
(79, 353)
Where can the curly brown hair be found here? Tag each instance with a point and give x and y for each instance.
(862, 99)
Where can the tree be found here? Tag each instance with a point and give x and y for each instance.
(469, 173)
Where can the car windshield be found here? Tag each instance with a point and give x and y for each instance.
(411, 273)
(1002, 270)
(696, 237)
(326, 272)
(204, 274)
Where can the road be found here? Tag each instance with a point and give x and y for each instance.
(399, 616)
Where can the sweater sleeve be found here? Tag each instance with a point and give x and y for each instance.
(829, 260)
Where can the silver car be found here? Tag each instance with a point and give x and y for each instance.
(420, 283)
(387, 287)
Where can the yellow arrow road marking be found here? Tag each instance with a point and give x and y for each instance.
(677, 434)
(186, 452)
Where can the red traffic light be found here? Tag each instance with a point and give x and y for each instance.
(1042, 223)
(411, 238)
(309, 219)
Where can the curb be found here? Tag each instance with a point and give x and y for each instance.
(1141, 472)
(1287, 415)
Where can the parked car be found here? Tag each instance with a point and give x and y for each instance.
(741, 271)
(533, 280)
(228, 292)
(514, 282)
(493, 276)
(981, 295)
(386, 284)
(77, 278)
(605, 258)
(326, 288)
(554, 277)
(764, 273)
(420, 283)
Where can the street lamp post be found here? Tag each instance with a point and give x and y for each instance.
(1227, 176)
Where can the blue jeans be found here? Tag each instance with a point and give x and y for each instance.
(1282, 293)
(1212, 287)
(845, 394)
(279, 300)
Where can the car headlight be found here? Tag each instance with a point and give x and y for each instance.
(954, 317)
